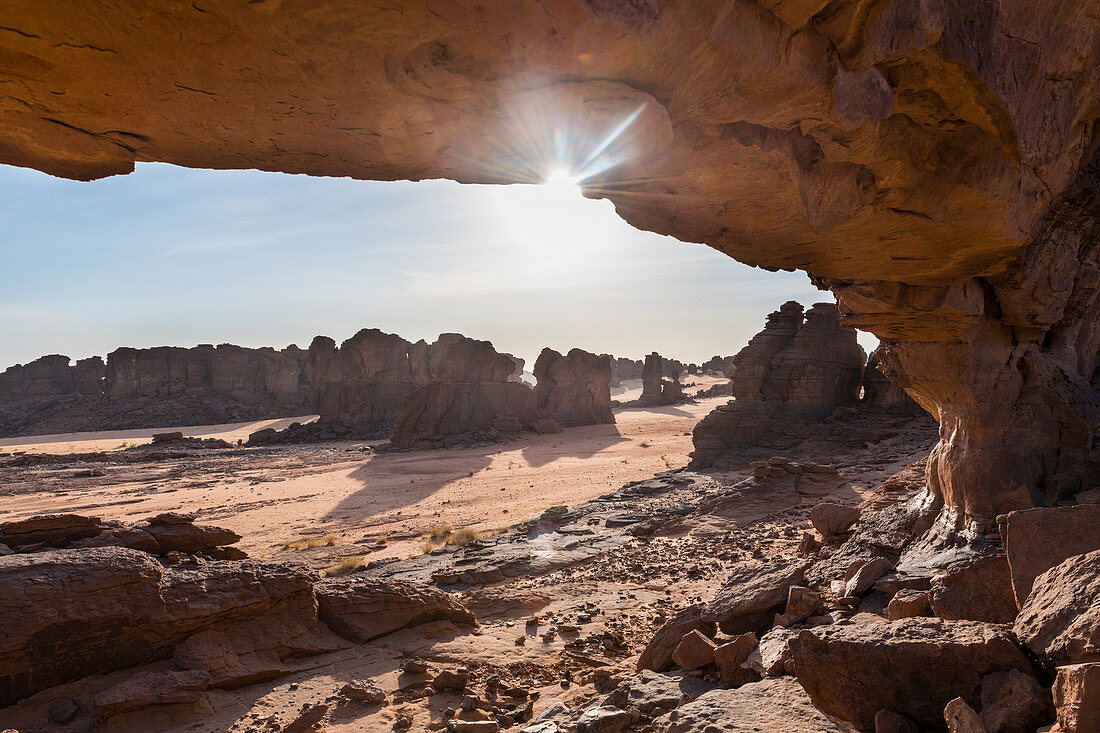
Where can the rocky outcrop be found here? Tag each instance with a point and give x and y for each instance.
(573, 389)
(651, 381)
(913, 667)
(789, 377)
(111, 608)
(623, 368)
(159, 535)
(364, 382)
(227, 369)
(468, 386)
(51, 376)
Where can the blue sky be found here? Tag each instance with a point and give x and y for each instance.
(172, 256)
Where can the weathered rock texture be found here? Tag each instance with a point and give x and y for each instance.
(161, 386)
(51, 376)
(789, 377)
(651, 381)
(574, 389)
(882, 393)
(933, 163)
(913, 667)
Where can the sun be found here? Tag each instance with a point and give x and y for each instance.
(562, 185)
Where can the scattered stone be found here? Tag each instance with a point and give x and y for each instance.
(363, 692)
(448, 681)
(309, 717)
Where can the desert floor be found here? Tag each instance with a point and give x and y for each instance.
(382, 504)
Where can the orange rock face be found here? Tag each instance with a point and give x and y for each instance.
(931, 162)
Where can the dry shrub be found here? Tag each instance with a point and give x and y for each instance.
(343, 567)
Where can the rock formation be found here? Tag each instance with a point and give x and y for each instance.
(51, 376)
(882, 393)
(226, 369)
(651, 381)
(163, 386)
(468, 385)
(364, 382)
(789, 377)
(931, 163)
(623, 368)
(573, 389)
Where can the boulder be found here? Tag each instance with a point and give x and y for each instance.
(649, 694)
(1077, 697)
(833, 519)
(961, 718)
(913, 667)
(802, 602)
(51, 530)
(908, 603)
(865, 576)
(545, 426)
(887, 721)
(1060, 620)
(657, 655)
(978, 588)
(1035, 540)
(774, 653)
(753, 593)
(360, 609)
(693, 651)
(1014, 702)
(732, 660)
(604, 719)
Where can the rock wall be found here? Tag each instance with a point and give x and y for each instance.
(364, 382)
(574, 389)
(51, 376)
(929, 162)
(172, 370)
(789, 377)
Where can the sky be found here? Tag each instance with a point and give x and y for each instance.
(175, 256)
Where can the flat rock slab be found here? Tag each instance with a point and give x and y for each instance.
(1036, 540)
(360, 608)
(914, 667)
(777, 704)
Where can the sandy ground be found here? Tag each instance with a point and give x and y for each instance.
(376, 504)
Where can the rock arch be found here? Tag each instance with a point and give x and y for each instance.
(932, 162)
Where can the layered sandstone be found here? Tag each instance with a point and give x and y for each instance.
(226, 368)
(789, 377)
(51, 376)
(574, 389)
(882, 393)
(468, 385)
(930, 162)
